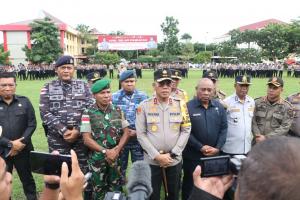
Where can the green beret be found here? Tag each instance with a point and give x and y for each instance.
(100, 85)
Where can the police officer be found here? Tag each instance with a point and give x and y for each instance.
(128, 99)
(294, 99)
(208, 134)
(92, 78)
(177, 92)
(62, 102)
(17, 121)
(272, 115)
(212, 75)
(105, 132)
(163, 128)
(240, 108)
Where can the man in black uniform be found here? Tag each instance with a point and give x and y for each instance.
(18, 123)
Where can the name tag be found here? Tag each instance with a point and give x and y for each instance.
(196, 114)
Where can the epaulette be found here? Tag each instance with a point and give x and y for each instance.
(221, 92)
(258, 98)
(294, 94)
(285, 101)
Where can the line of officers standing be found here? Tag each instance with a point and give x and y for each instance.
(166, 130)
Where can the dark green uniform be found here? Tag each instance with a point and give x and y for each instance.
(106, 128)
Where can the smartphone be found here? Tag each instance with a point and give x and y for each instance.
(49, 164)
(215, 166)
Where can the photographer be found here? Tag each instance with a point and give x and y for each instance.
(68, 187)
(271, 171)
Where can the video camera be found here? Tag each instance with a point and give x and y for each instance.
(221, 165)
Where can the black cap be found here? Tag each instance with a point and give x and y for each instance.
(243, 80)
(277, 81)
(212, 75)
(64, 60)
(162, 74)
(176, 74)
(93, 76)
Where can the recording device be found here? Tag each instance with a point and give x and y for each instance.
(220, 165)
(49, 164)
(138, 186)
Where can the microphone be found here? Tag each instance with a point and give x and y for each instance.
(139, 181)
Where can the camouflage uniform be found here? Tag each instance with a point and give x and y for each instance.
(62, 104)
(129, 104)
(272, 119)
(294, 99)
(107, 129)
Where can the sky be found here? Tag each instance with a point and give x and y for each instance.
(202, 19)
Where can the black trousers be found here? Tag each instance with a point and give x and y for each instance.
(22, 164)
(187, 183)
(173, 175)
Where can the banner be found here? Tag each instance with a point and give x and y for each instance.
(127, 42)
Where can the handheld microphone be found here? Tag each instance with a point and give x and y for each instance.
(139, 181)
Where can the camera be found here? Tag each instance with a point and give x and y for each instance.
(221, 165)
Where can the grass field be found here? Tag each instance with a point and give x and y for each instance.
(31, 89)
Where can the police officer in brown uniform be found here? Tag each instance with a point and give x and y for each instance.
(163, 129)
(294, 99)
(212, 75)
(272, 115)
(177, 92)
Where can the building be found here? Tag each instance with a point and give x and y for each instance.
(255, 26)
(17, 35)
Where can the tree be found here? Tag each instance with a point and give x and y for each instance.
(187, 37)
(106, 58)
(199, 47)
(203, 57)
(272, 40)
(46, 45)
(170, 31)
(4, 60)
(293, 36)
(187, 51)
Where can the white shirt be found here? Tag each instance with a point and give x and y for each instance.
(239, 117)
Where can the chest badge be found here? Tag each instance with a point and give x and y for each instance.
(154, 128)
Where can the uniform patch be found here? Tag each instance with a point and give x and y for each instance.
(154, 128)
(235, 110)
(138, 110)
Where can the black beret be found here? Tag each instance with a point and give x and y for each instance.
(64, 60)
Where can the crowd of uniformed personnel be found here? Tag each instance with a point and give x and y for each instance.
(167, 130)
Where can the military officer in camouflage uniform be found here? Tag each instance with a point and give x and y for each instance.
(294, 99)
(163, 129)
(212, 75)
(272, 115)
(105, 133)
(62, 102)
(177, 92)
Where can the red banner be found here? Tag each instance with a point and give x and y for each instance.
(127, 42)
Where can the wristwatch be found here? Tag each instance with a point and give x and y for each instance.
(52, 186)
(173, 155)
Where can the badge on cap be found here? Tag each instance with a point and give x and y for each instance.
(71, 61)
(165, 73)
(274, 79)
(96, 75)
(244, 79)
(176, 73)
(211, 74)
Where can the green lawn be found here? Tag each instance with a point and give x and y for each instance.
(32, 89)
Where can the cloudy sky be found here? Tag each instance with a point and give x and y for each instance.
(203, 20)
